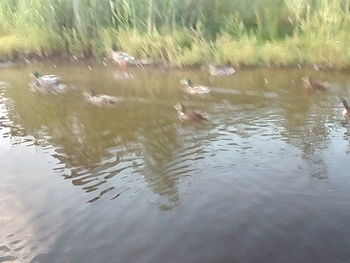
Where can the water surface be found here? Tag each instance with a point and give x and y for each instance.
(265, 180)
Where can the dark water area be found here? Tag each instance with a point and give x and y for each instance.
(266, 179)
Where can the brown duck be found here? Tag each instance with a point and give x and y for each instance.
(101, 99)
(314, 85)
(185, 115)
(346, 111)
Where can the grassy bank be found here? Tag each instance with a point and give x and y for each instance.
(183, 32)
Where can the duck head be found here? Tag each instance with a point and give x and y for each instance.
(212, 67)
(86, 94)
(180, 107)
(345, 103)
(306, 80)
(36, 74)
(186, 82)
(89, 94)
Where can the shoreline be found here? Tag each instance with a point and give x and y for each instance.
(176, 34)
(23, 60)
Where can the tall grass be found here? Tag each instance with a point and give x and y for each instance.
(183, 32)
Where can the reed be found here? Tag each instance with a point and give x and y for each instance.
(183, 32)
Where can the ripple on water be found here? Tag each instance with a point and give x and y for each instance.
(261, 145)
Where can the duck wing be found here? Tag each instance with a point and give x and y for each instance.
(106, 99)
(201, 89)
(195, 115)
(222, 71)
(320, 86)
(122, 56)
(48, 81)
(50, 78)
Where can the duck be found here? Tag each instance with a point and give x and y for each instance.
(220, 71)
(189, 88)
(314, 85)
(184, 115)
(346, 111)
(47, 84)
(100, 100)
(122, 59)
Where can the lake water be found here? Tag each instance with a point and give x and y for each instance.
(266, 179)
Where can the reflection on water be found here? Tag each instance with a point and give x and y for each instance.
(266, 139)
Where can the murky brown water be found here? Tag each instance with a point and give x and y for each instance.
(267, 179)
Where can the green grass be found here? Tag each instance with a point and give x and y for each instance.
(183, 32)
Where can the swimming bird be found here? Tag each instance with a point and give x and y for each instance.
(220, 71)
(47, 84)
(184, 115)
(189, 88)
(100, 100)
(123, 59)
(346, 111)
(314, 85)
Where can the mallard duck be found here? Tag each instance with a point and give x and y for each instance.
(189, 88)
(346, 111)
(123, 59)
(47, 84)
(100, 100)
(314, 85)
(184, 115)
(220, 71)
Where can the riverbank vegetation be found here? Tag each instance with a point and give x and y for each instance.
(181, 32)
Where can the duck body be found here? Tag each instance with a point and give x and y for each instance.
(221, 71)
(47, 84)
(184, 115)
(314, 85)
(189, 88)
(123, 59)
(100, 99)
(346, 111)
(122, 56)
